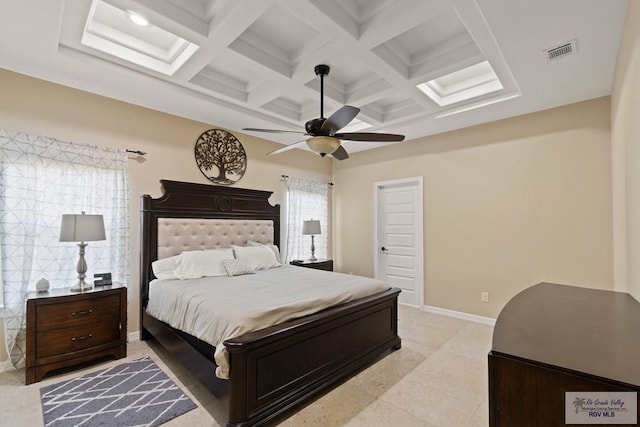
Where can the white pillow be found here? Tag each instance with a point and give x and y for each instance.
(163, 268)
(274, 248)
(257, 257)
(196, 264)
(235, 267)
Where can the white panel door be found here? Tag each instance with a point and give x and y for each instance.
(399, 238)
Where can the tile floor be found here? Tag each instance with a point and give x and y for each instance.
(437, 379)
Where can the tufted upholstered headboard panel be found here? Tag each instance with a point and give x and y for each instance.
(176, 235)
(191, 216)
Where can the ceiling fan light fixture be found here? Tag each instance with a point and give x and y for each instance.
(323, 145)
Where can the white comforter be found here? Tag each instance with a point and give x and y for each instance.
(214, 309)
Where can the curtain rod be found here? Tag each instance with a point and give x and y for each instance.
(286, 177)
(138, 152)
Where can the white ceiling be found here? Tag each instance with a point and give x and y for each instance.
(253, 64)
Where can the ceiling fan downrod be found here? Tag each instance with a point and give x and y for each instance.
(322, 70)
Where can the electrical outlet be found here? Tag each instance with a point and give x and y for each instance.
(484, 296)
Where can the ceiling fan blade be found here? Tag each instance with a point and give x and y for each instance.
(340, 153)
(370, 136)
(274, 131)
(339, 119)
(288, 147)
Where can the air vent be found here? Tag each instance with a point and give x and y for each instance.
(559, 52)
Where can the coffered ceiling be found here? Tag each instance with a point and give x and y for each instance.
(414, 67)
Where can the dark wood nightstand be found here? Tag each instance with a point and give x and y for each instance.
(321, 264)
(66, 328)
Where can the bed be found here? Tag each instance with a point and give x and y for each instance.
(275, 370)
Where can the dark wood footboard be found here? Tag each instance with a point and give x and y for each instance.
(276, 369)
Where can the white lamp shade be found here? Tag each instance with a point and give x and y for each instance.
(311, 227)
(81, 228)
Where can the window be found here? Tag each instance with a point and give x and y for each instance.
(40, 179)
(305, 200)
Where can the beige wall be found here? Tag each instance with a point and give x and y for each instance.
(506, 205)
(625, 138)
(42, 108)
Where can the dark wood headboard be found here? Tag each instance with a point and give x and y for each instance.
(190, 200)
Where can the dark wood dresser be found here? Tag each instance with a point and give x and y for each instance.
(552, 339)
(66, 328)
(321, 264)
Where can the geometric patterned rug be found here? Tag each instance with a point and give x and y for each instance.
(136, 393)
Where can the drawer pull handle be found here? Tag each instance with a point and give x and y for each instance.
(84, 337)
(82, 313)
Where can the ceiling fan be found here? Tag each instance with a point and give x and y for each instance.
(324, 137)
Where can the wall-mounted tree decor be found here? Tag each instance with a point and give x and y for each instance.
(220, 157)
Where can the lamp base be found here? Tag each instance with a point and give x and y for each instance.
(313, 250)
(81, 286)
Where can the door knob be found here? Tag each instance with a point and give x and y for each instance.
(383, 249)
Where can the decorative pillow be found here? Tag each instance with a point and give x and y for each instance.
(235, 267)
(206, 263)
(258, 257)
(163, 268)
(274, 248)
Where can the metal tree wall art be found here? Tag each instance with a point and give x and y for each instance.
(220, 156)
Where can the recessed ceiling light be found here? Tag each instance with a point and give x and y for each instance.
(137, 19)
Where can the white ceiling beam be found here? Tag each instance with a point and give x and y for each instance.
(395, 20)
(369, 93)
(266, 91)
(227, 25)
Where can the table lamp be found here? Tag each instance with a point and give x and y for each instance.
(81, 228)
(311, 228)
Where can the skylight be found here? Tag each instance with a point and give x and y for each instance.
(462, 85)
(111, 30)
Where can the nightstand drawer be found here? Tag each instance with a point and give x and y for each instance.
(54, 343)
(55, 316)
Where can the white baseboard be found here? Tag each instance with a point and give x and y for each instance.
(133, 336)
(6, 366)
(460, 315)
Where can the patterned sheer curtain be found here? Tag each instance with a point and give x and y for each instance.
(306, 199)
(42, 178)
